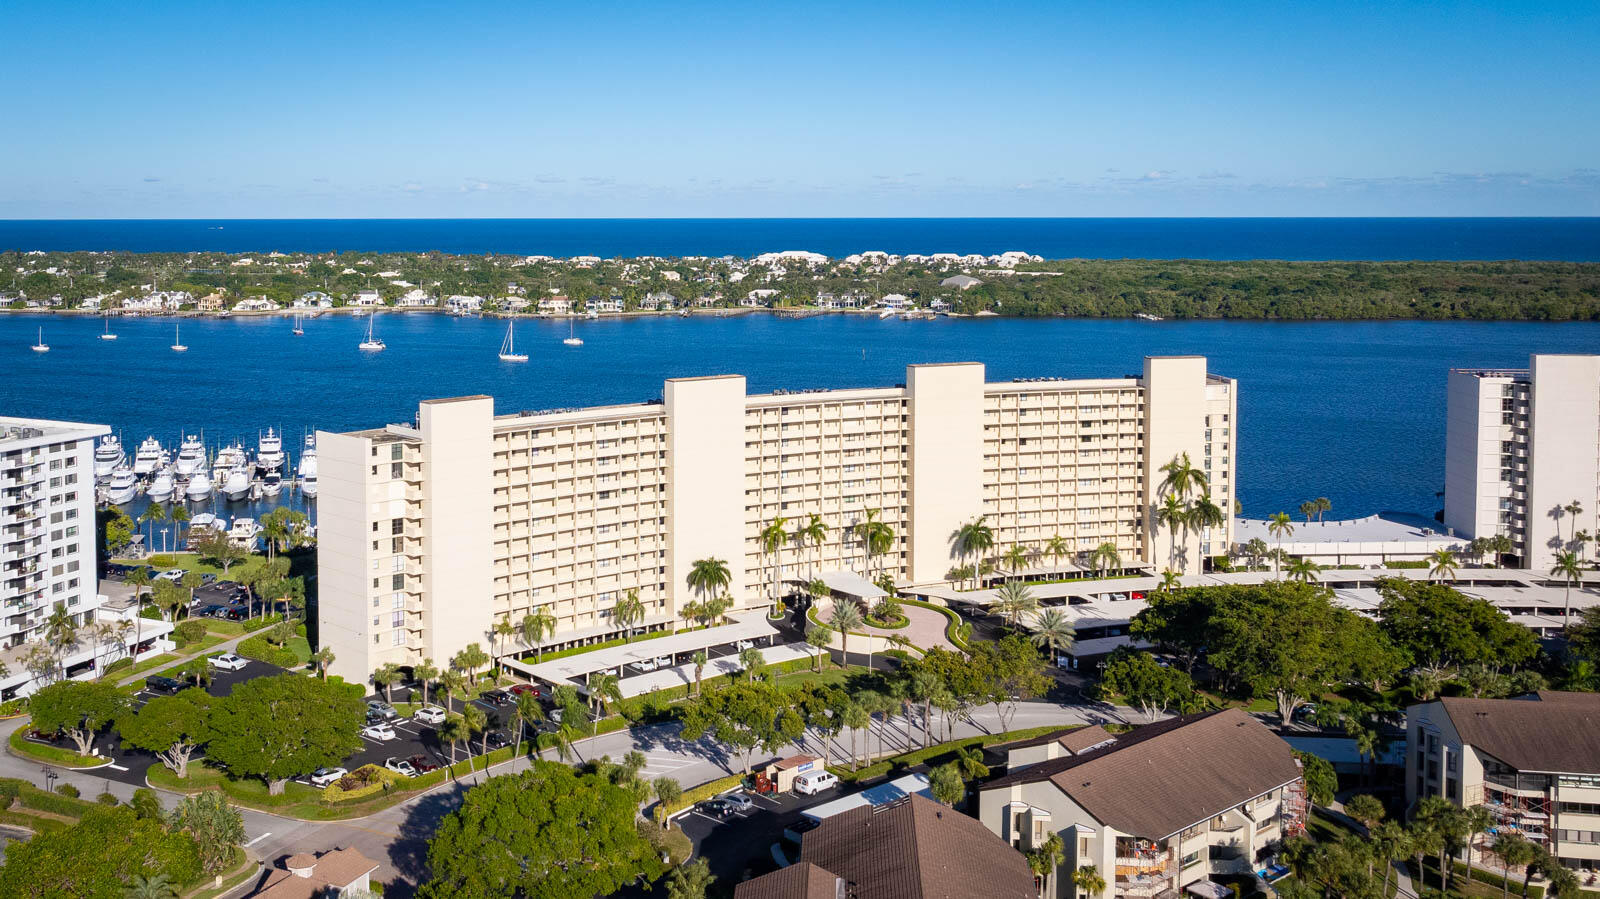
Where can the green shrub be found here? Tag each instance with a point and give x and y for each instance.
(122, 664)
(107, 799)
(359, 784)
(162, 562)
(256, 624)
(1398, 564)
(13, 707)
(259, 649)
(704, 791)
(190, 631)
(69, 791)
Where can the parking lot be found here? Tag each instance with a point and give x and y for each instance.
(740, 846)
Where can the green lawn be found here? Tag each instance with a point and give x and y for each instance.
(51, 755)
(193, 562)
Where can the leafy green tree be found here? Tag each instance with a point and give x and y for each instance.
(97, 857)
(545, 833)
(690, 881)
(217, 547)
(745, 716)
(1439, 626)
(1140, 680)
(116, 529)
(1366, 808)
(172, 727)
(215, 826)
(1012, 672)
(277, 728)
(77, 708)
(946, 785)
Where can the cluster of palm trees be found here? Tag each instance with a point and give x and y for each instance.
(1313, 509)
(875, 537)
(975, 539)
(1186, 505)
(62, 633)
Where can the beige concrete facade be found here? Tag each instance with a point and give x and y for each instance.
(1522, 445)
(428, 535)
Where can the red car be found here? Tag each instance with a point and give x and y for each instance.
(423, 764)
(519, 689)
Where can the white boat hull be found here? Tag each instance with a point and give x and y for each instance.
(199, 488)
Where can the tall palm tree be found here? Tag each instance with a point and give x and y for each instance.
(1442, 565)
(425, 672)
(707, 576)
(1303, 570)
(604, 689)
(386, 676)
(1169, 581)
(535, 627)
(152, 514)
(1573, 510)
(699, 659)
(1172, 514)
(876, 537)
(1182, 478)
(1279, 526)
(1016, 559)
(772, 539)
(1013, 599)
(973, 539)
(1569, 568)
(1056, 548)
(1309, 510)
(60, 633)
(1105, 557)
(628, 612)
(452, 731)
(454, 683)
(1205, 513)
(844, 619)
(180, 517)
(815, 532)
(274, 530)
(1053, 631)
(528, 712)
(1323, 505)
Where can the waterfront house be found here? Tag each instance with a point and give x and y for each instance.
(367, 297)
(895, 301)
(418, 298)
(314, 299)
(255, 304)
(758, 297)
(211, 302)
(1154, 810)
(463, 304)
(607, 305)
(556, 305)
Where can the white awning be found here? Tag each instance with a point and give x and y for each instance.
(746, 626)
(853, 585)
(1208, 890)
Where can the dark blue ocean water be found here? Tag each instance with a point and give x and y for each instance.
(1349, 410)
(1570, 239)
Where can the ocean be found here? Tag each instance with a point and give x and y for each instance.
(1566, 239)
(1354, 411)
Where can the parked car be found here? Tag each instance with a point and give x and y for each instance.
(739, 801)
(430, 715)
(171, 574)
(496, 696)
(207, 579)
(379, 731)
(422, 764)
(535, 689)
(663, 661)
(813, 782)
(155, 683)
(324, 776)
(646, 665)
(228, 661)
(210, 611)
(497, 739)
(716, 808)
(400, 766)
(743, 645)
(379, 709)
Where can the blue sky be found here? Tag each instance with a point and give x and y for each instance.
(865, 109)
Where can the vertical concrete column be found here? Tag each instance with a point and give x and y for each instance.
(946, 461)
(458, 490)
(705, 482)
(1563, 453)
(1175, 423)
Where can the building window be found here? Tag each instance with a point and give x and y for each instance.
(399, 581)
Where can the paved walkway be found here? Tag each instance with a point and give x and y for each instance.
(224, 646)
(924, 628)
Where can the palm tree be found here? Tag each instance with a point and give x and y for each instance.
(752, 661)
(1442, 565)
(497, 638)
(452, 731)
(1205, 513)
(1309, 510)
(1088, 879)
(845, 618)
(138, 579)
(628, 612)
(1182, 478)
(772, 539)
(1174, 516)
(604, 689)
(1573, 510)
(1056, 548)
(425, 672)
(1053, 631)
(535, 627)
(154, 513)
(1105, 557)
(60, 632)
(707, 576)
(973, 539)
(699, 659)
(1169, 581)
(180, 517)
(477, 723)
(156, 886)
(274, 530)
(815, 532)
(323, 658)
(1516, 851)
(527, 712)
(1569, 568)
(454, 684)
(1279, 526)
(876, 537)
(1323, 504)
(386, 676)
(1013, 599)
(1303, 570)
(1016, 559)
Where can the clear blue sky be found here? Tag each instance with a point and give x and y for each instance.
(861, 109)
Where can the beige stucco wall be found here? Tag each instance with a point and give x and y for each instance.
(343, 525)
(705, 486)
(946, 465)
(1564, 446)
(458, 492)
(1175, 423)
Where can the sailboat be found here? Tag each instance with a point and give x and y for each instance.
(572, 337)
(108, 335)
(508, 348)
(371, 343)
(177, 344)
(41, 346)
(299, 326)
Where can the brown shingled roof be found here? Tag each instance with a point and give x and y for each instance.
(802, 880)
(1555, 732)
(1163, 777)
(915, 849)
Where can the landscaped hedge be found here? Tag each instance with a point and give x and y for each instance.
(55, 755)
(953, 623)
(259, 649)
(365, 781)
(1395, 563)
(265, 621)
(704, 791)
(41, 801)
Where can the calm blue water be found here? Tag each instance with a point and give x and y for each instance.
(1570, 239)
(1349, 410)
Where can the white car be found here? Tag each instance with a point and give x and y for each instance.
(378, 732)
(647, 665)
(743, 645)
(324, 776)
(813, 782)
(400, 766)
(171, 574)
(228, 661)
(663, 661)
(431, 714)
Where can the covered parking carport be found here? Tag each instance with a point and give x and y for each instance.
(574, 670)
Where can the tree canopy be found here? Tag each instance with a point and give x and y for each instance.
(545, 833)
(1438, 625)
(97, 857)
(172, 727)
(280, 727)
(1140, 680)
(80, 708)
(746, 716)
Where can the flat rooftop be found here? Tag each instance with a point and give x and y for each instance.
(1383, 528)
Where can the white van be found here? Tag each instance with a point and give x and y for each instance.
(813, 782)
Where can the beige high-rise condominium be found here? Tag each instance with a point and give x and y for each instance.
(1522, 455)
(431, 533)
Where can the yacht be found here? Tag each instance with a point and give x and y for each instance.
(508, 347)
(177, 343)
(162, 486)
(148, 455)
(108, 456)
(122, 487)
(204, 522)
(269, 450)
(228, 458)
(199, 485)
(572, 338)
(107, 335)
(299, 325)
(271, 484)
(244, 533)
(236, 484)
(371, 343)
(308, 467)
(41, 346)
(191, 458)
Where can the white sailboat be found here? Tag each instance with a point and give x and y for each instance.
(41, 346)
(508, 348)
(107, 335)
(299, 325)
(177, 344)
(572, 336)
(371, 343)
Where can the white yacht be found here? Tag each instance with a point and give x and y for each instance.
(308, 467)
(371, 343)
(269, 450)
(244, 533)
(122, 487)
(107, 335)
(162, 486)
(203, 523)
(236, 484)
(572, 338)
(271, 484)
(108, 455)
(191, 457)
(228, 458)
(147, 457)
(41, 346)
(508, 347)
(199, 485)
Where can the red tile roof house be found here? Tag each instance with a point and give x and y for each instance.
(334, 873)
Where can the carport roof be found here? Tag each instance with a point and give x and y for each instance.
(746, 626)
(851, 584)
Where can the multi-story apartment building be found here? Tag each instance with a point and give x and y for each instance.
(1521, 446)
(1533, 762)
(47, 534)
(431, 532)
(1153, 810)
